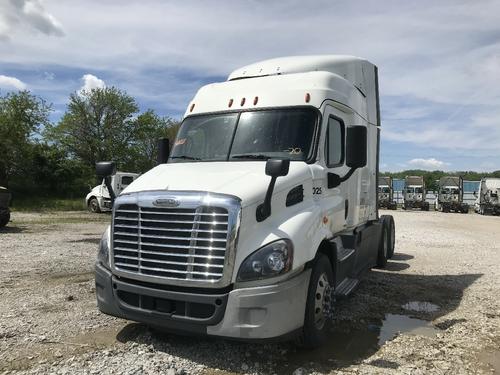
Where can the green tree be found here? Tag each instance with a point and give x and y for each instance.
(22, 114)
(149, 127)
(99, 124)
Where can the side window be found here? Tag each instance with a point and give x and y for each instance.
(335, 143)
(127, 180)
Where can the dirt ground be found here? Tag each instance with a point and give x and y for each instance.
(434, 309)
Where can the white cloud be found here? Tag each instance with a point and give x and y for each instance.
(90, 82)
(26, 14)
(11, 83)
(430, 163)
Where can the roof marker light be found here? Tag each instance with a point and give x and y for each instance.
(255, 100)
(242, 102)
(191, 108)
(230, 103)
(308, 97)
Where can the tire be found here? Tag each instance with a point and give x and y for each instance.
(383, 247)
(4, 220)
(392, 234)
(93, 205)
(316, 325)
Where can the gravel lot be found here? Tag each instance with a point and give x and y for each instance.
(449, 262)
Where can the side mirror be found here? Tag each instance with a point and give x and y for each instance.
(163, 150)
(274, 168)
(277, 167)
(356, 147)
(105, 169)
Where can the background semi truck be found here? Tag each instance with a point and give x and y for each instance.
(386, 193)
(99, 199)
(487, 199)
(263, 214)
(450, 195)
(414, 193)
(5, 198)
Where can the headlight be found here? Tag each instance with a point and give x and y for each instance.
(103, 254)
(271, 260)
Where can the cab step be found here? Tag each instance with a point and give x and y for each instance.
(346, 287)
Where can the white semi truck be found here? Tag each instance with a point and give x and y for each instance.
(450, 195)
(414, 193)
(487, 198)
(386, 193)
(263, 214)
(99, 199)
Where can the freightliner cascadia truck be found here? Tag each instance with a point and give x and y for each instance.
(488, 199)
(265, 211)
(386, 193)
(451, 195)
(414, 193)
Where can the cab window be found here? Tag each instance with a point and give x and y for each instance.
(127, 180)
(334, 143)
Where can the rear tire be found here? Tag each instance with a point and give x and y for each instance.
(4, 220)
(384, 244)
(94, 205)
(316, 324)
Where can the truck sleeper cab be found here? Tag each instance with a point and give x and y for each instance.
(414, 193)
(265, 212)
(450, 195)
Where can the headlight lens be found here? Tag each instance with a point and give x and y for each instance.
(271, 260)
(103, 254)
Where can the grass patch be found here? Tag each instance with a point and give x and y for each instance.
(40, 204)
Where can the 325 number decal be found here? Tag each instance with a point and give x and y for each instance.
(316, 190)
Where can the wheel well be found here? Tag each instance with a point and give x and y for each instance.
(324, 248)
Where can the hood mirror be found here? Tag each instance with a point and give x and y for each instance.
(274, 168)
(163, 150)
(106, 169)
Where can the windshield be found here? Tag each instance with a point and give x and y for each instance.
(254, 135)
(410, 190)
(384, 189)
(418, 190)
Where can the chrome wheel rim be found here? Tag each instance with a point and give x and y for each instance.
(319, 301)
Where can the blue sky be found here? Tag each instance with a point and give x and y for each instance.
(439, 62)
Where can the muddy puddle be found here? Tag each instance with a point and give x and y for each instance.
(346, 345)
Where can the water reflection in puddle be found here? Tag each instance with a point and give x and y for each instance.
(346, 344)
(420, 306)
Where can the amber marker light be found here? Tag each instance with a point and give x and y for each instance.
(308, 97)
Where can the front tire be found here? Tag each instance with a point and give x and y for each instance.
(316, 323)
(94, 205)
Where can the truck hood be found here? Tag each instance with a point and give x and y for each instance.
(246, 179)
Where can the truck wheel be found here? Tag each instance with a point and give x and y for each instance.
(316, 323)
(94, 205)
(384, 244)
(389, 221)
(4, 220)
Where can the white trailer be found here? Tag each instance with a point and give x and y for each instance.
(488, 201)
(99, 199)
(265, 212)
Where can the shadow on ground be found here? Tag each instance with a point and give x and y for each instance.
(13, 229)
(355, 332)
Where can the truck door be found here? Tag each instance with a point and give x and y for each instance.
(337, 200)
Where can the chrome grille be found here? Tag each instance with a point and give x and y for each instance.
(173, 243)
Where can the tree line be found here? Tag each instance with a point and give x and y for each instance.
(430, 177)
(58, 159)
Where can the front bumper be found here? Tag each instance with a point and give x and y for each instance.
(247, 313)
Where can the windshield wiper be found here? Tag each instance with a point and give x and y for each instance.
(251, 156)
(187, 157)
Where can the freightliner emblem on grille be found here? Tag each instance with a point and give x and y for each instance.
(166, 202)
